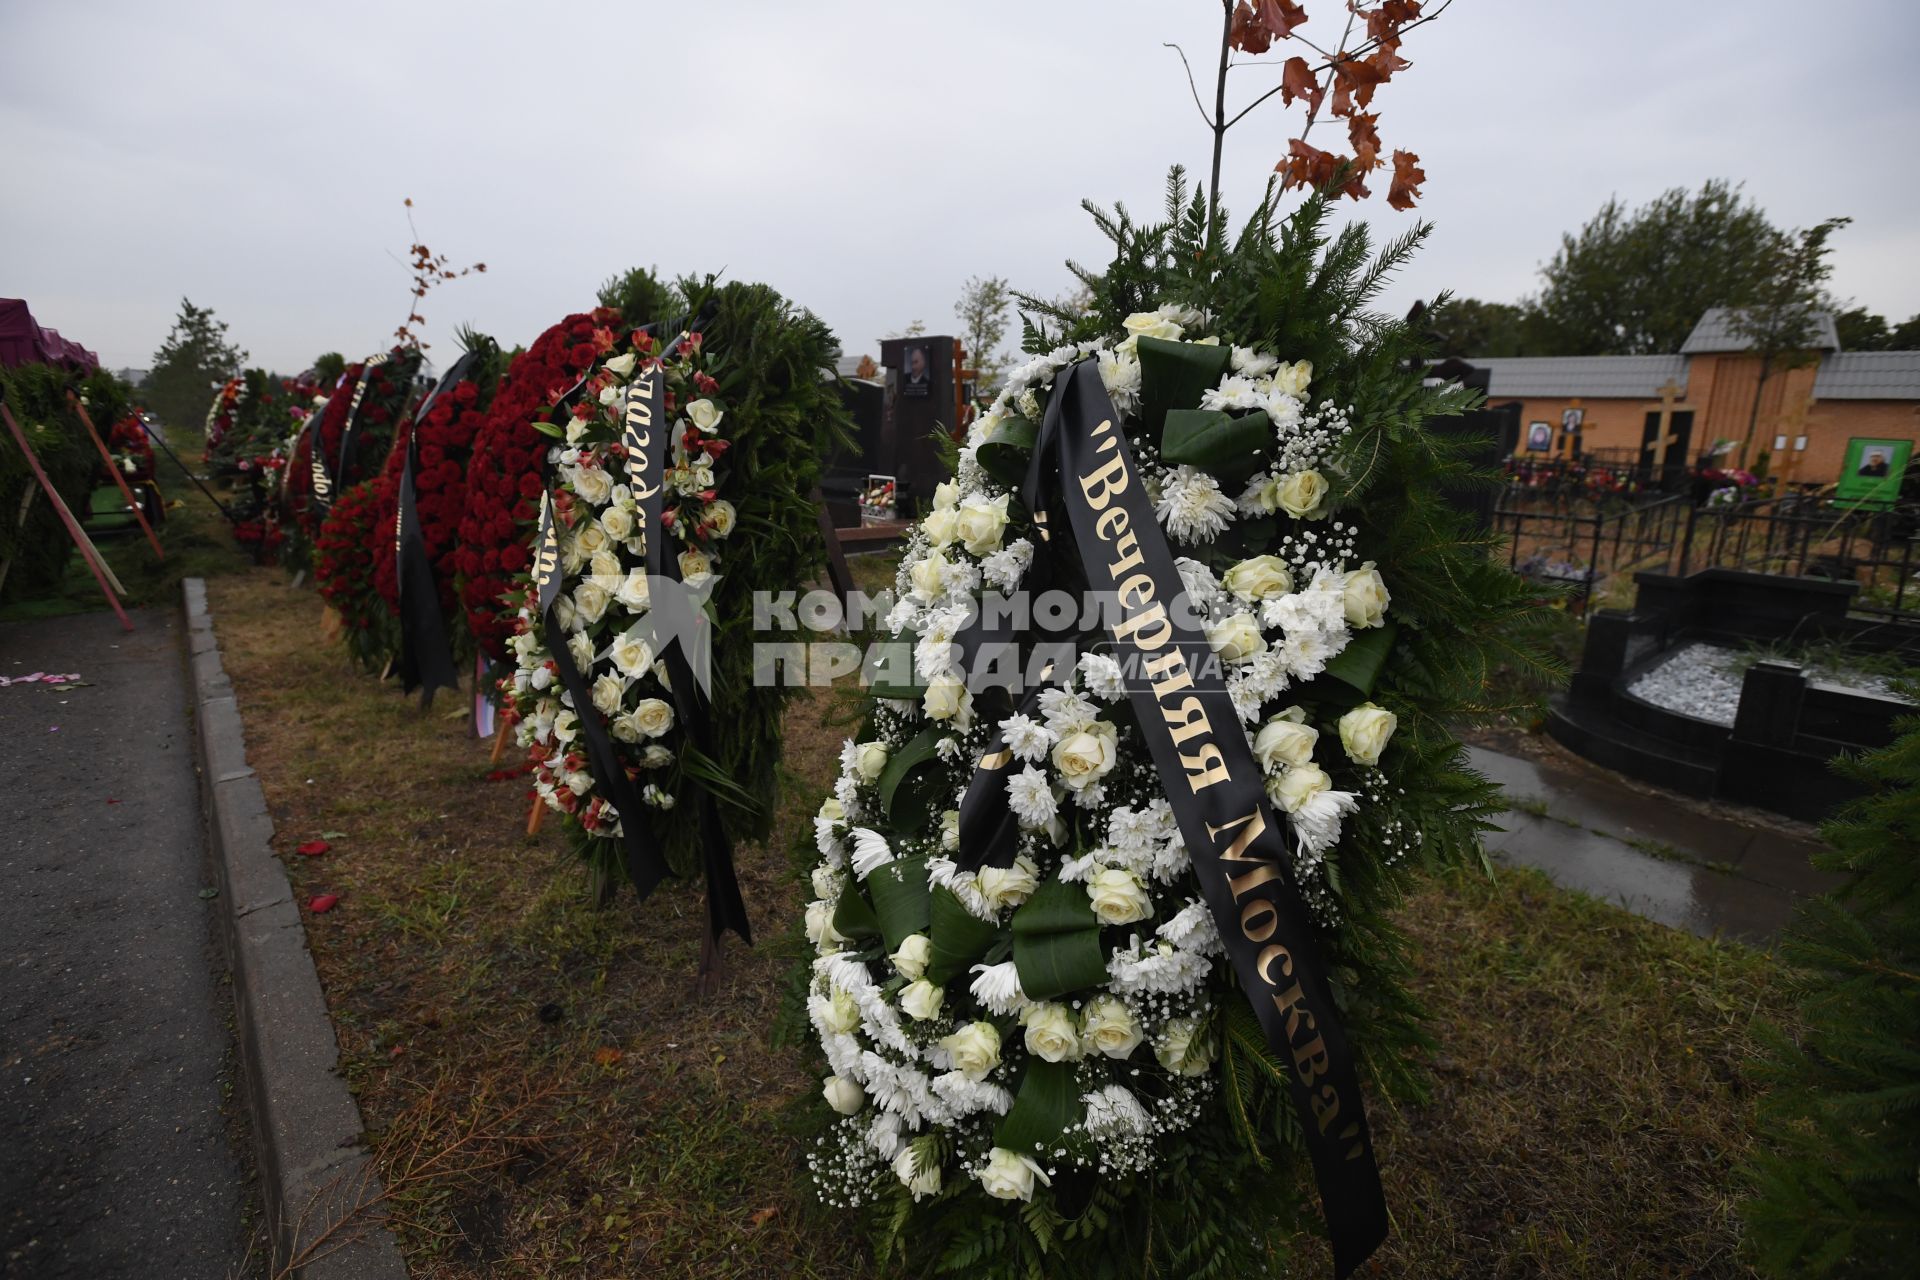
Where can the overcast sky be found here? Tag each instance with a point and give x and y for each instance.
(863, 158)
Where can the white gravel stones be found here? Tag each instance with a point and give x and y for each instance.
(1703, 680)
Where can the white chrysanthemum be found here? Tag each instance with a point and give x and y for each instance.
(1005, 567)
(1031, 798)
(1191, 505)
(1235, 392)
(1317, 823)
(870, 852)
(1103, 677)
(1252, 364)
(1113, 1112)
(964, 885)
(966, 1096)
(1066, 711)
(1202, 588)
(1159, 967)
(1192, 928)
(998, 988)
(1120, 374)
(1305, 654)
(1027, 739)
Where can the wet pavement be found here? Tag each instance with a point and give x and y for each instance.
(115, 1156)
(1654, 857)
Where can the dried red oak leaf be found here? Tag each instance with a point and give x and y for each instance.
(1247, 34)
(1298, 81)
(1407, 177)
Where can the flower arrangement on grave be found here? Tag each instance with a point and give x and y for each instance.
(504, 480)
(356, 430)
(681, 476)
(1101, 954)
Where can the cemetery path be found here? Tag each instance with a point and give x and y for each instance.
(1663, 861)
(115, 1153)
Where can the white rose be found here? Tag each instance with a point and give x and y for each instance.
(1261, 578)
(593, 484)
(1009, 1175)
(1365, 732)
(635, 592)
(924, 1183)
(910, 961)
(843, 1013)
(1008, 886)
(820, 930)
(870, 759)
(621, 366)
(1087, 755)
(1294, 788)
(617, 523)
(982, 523)
(589, 540)
(606, 571)
(566, 726)
(1292, 379)
(1284, 741)
(946, 496)
(1118, 896)
(844, 1095)
(589, 602)
(655, 757)
(632, 655)
(929, 575)
(694, 565)
(974, 1049)
(1236, 639)
(826, 881)
(940, 526)
(944, 697)
(1302, 495)
(1051, 1032)
(705, 414)
(832, 810)
(921, 1000)
(608, 690)
(609, 394)
(1151, 324)
(721, 517)
(1108, 1026)
(653, 716)
(1366, 597)
(1180, 1048)
(950, 829)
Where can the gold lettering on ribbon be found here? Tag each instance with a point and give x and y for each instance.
(547, 559)
(638, 435)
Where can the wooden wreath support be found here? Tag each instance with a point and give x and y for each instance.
(106, 456)
(102, 574)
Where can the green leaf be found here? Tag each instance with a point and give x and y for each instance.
(1048, 1101)
(853, 915)
(1359, 664)
(901, 899)
(1228, 448)
(958, 936)
(1172, 376)
(916, 799)
(1007, 453)
(1056, 942)
(548, 429)
(890, 670)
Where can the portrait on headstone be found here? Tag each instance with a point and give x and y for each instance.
(917, 378)
(1539, 437)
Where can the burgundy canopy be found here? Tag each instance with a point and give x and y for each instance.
(22, 341)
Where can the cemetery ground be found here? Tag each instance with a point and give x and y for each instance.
(547, 1094)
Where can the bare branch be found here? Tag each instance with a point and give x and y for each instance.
(1191, 86)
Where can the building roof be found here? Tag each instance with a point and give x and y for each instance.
(1548, 377)
(1714, 334)
(1869, 375)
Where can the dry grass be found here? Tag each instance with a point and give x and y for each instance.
(1587, 1106)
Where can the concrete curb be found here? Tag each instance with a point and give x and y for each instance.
(306, 1127)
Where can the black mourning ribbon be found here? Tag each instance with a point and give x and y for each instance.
(426, 654)
(1213, 785)
(326, 477)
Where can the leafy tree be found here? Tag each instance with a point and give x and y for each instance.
(984, 307)
(194, 359)
(327, 368)
(1834, 1189)
(1861, 330)
(1905, 336)
(1779, 316)
(640, 297)
(1468, 327)
(1635, 282)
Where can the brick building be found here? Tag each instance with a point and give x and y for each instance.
(1614, 407)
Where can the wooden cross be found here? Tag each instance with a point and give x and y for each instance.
(1669, 397)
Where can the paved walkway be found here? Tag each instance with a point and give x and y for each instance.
(1656, 858)
(115, 1159)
